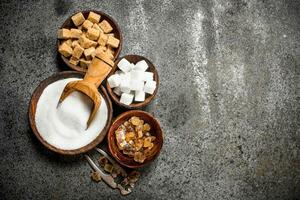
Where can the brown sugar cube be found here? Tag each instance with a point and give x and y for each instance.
(110, 50)
(68, 42)
(105, 58)
(75, 33)
(113, 42)
(80, 27)
(94, 44)
(84, 63)
(65, 50)
(102, 39)
(75, 43)
(86, 43)
(93, 34)
(111, 34)
(96, 26)
(88, 53)
(110, 53)
(87, 24)
(105, 26)
(74, 61)
(94, 17)
(102, 48)
(63, 33)
(98, 50)
(78, 19)
(77, 51)
(93, 55)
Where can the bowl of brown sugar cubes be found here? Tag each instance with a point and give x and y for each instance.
(133, 82)
(86, 34)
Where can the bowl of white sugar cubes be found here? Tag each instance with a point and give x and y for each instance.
(133, 82)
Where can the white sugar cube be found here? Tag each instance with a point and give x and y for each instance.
(141, 65)
(147, 76)
(125, 86)
(124, 65)
(132, 66)
(150, 87)
(125, 76)
(114, 80)
(117, 91)
(139, 96)
(126, 98)
(136, 84)
(136, 74)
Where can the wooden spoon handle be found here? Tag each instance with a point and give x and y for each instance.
(98, 70)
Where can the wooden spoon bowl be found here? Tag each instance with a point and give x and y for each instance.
(33, 104)
(135, 105)
(116, 30)
(155, 131)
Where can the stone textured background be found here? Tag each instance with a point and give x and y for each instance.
(228, 100)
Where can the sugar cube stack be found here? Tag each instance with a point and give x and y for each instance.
(132, 82)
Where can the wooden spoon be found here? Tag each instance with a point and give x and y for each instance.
(97, 72)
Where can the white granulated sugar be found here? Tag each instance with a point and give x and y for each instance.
(64, 127)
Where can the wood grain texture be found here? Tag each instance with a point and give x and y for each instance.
(33, 104)
(155, 131)
(135, 105)
(116, 30)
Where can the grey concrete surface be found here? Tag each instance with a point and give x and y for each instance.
(228, 101)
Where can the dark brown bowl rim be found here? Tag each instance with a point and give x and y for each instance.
(33, 102)
(111, 131)
(149, 99)
(80, 69)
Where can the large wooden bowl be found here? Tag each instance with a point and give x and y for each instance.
(33, 104)
(155, 131)
(116, 30)
(134, 105)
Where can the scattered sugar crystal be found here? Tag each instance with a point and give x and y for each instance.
(141, 65)
(124, 65)
(139, 96)
(126, 98)
(150, 87)
(114, 80)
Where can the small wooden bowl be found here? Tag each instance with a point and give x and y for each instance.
(33, 104)
(155, 131)
(135, 105)
(116, 30)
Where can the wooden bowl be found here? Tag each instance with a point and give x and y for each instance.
(135, 105)
(33, 104)
(116, 30)
(155, 131)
